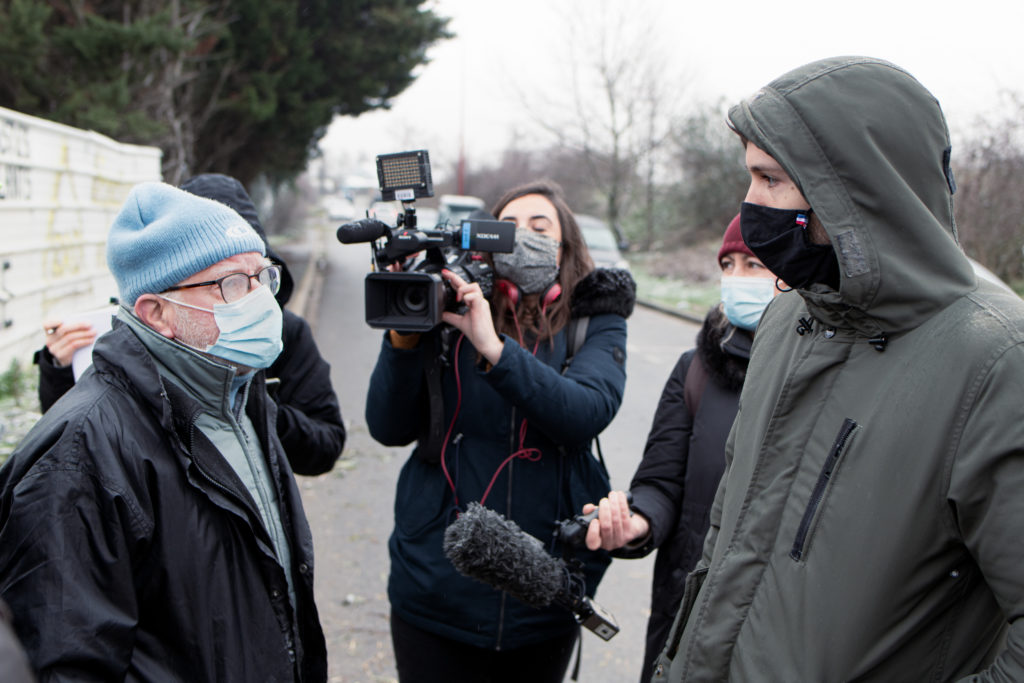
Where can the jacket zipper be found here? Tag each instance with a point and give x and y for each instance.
(223, 488)
(508, 514)
(819, 488)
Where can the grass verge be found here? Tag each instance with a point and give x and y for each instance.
(19, 405)
(674, 293)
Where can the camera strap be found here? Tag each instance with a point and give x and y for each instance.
(432, 438)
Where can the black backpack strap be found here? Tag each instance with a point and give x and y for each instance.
(575, 335)
(579, 654)
(600, 453)
(693, 384)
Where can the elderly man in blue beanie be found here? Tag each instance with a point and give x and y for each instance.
(309, 420)
(150, 526)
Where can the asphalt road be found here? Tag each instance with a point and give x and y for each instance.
(350, 509)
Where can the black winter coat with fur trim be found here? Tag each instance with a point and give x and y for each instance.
(487, 410)
(675, 483)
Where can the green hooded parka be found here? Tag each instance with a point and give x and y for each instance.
(868, 527)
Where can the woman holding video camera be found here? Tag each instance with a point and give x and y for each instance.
(518, 421)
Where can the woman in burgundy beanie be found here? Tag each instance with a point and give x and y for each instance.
(733, 240)
(684, 458)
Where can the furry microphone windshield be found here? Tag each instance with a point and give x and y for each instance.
(485, 546)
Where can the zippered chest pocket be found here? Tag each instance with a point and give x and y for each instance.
(821, 488)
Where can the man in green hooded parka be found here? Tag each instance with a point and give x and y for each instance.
(869, 524)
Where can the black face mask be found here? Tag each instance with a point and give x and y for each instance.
(779, 238)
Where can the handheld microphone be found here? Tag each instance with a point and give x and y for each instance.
(485, 546)
(363, 230)
(573, 531)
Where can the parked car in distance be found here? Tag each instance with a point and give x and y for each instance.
(339, 208)
(386, 212)
(452, 208)
(426, 217)
(601, 242)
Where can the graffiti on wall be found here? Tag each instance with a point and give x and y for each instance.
(15, 179)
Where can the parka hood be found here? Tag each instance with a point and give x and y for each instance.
(869, 148)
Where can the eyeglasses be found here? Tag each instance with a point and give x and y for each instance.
(236, 285)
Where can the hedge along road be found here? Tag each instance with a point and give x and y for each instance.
(350, 509)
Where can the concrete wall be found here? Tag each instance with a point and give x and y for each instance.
(60, 188)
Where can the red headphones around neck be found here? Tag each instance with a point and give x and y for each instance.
(514, 294)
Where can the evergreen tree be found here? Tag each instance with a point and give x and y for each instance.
(244, 87)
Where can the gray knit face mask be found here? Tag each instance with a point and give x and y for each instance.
(532, 265)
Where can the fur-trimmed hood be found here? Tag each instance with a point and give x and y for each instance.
(725, 349)
(604, 290)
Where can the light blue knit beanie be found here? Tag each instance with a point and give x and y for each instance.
(163, 235)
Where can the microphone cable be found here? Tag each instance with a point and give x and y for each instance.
(531, 454)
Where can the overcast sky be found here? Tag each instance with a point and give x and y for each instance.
(963, 52)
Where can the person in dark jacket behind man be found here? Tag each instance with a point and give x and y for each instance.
(150, 526)
(684, 458)
(309, 421)
(519, 431)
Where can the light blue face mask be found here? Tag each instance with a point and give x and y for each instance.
(745, 298)
(250, 329)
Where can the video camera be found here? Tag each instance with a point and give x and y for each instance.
(412, 300)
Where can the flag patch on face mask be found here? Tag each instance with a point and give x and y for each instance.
(801, 220)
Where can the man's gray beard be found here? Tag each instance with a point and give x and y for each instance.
(191, 331)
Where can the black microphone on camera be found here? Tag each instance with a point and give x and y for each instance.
(363, 230)
(485, 546)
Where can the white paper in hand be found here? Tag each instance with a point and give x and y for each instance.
(100, 319)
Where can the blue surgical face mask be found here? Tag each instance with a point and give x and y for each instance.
(745, 298)
(250, 329)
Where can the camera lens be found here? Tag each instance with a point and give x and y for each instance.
(412, 300)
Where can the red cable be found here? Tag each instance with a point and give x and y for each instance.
(531, 454)
(458, 403)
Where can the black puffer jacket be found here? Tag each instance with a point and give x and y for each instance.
(309, 420)
(683, 461)
(135, 548)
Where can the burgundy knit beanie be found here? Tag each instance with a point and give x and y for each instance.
(733, 240)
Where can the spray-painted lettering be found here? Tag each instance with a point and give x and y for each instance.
(14, 139)
(15, 182)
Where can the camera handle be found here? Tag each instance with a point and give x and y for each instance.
(431, 438)
(434, 348)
